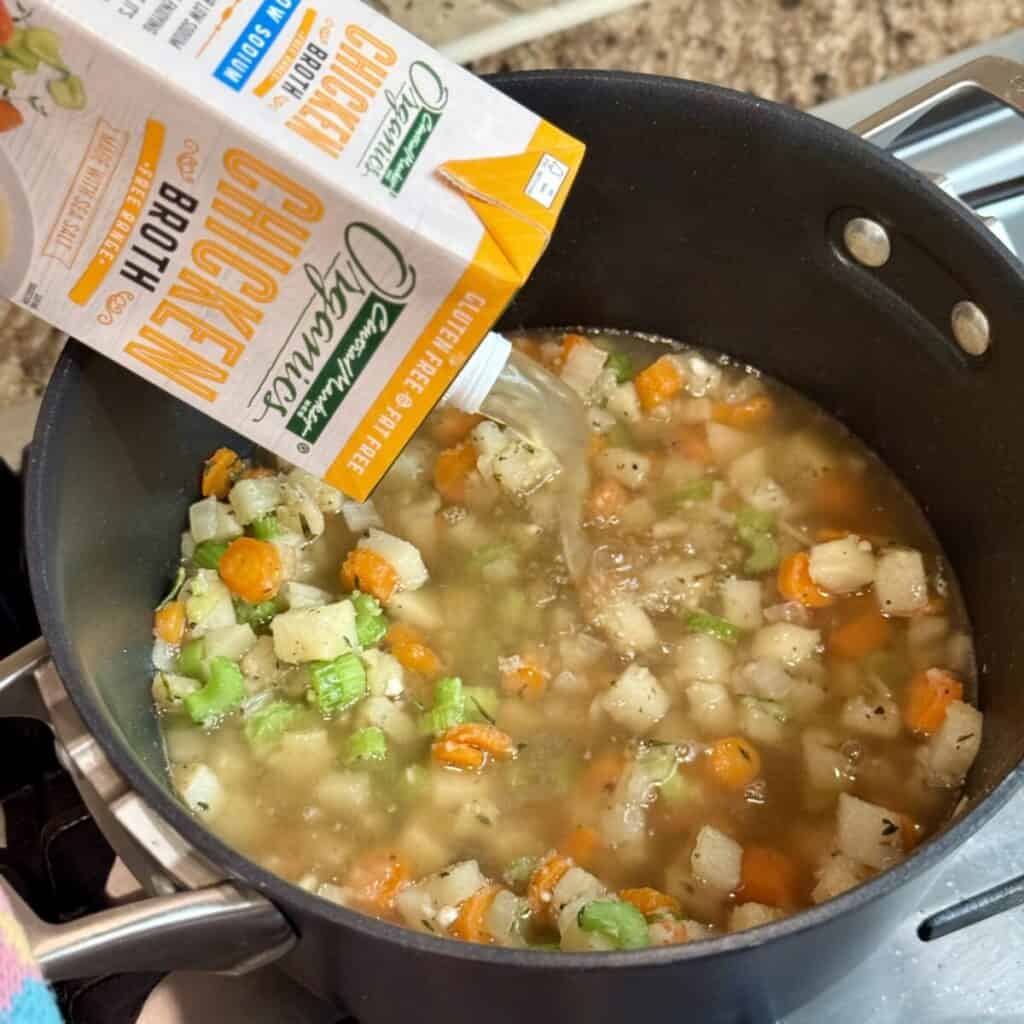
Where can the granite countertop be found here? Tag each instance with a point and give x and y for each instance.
(802, 52)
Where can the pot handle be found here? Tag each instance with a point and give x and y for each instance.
(218, 928)
(1002, 79)
(980, 907)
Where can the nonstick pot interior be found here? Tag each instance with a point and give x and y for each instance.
(700, 214)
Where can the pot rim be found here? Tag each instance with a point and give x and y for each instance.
(282, 892)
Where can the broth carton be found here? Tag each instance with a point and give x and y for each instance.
(289, 213)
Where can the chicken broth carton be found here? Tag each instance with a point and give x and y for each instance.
(291, 214)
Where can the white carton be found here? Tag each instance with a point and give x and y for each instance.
(289, 213)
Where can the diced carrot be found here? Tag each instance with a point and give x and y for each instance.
(526, 680)
(754, 412)
(366, 570)
(257, 473)
(650, 901)
(658, 382)
(768, 876)
(217, 473)
(929, 695)
(691, 442)
(251, 569)
(603, 773)
(169, 622)
(7, 25)
(412, 651)
(677, 932)
(734, 762)
(470, 925)
(607, 498)
(867, 631)
(598, 443)
(582, 844)
(545, 877)
(451, 470)
(452, 425)
(469, 745)
(795, 583)
(374, 880)
(843, 498)
(10, 116)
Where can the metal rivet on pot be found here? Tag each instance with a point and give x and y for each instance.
(867, 242)
(970, 328)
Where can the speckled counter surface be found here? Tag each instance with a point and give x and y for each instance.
(802, 52)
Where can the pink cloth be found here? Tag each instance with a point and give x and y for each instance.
(24, 996)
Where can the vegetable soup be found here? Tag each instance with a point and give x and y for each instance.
(754, 696)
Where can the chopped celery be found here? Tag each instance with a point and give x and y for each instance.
(264, 728)
(517, 874)
(705, 622)
(621, 364)
(369, 744)
(616, 920)
(370, 622)
(481, 704)
(699, 490)
(255, 615)
(494, 552)
(680, 789)
(338, 684)
(659, 762)
(449, 707)
(764, 554)
(265, 527)
(750, 520)
(179, 582)
(192, 659)
(223, 692)
(208, 554)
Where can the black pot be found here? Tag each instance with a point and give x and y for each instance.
(700, 214)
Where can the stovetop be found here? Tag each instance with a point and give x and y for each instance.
(54, 854)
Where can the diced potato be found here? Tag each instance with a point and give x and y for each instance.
(638, 515)
(627, 626)
(417, 908)
(415, 462)
(805, 698)
(385, 676)
(164, 655)
(184, 742)
(836, 876)
(842, 566)
(255, 497)
(403, 557)
(302, 757)
(711, 708)
(746, 471)
(717, 859)
(753, 915)
(804, 457)
(473, 822)
(343, 792)
(867, 833)
(315, 634)
(327, 498)
(949, 754)
(198, 786)
(519, 467)
(574, 885)
(764, 678)
(741, 602)
(303, 595)
(418, 608)
(306, 516)
(579, 651)
(230, 641)
(699, 656)
(450, 790)
(450, 887)
(388, 716)
(702, 377)
(628, 467)
(424, 847)
(504, 918)
(786, 643)
(768, 496)
(259, 665)
(583, 366)
(671, 581)
(669, 932)
(208, 604)
(877, 716)
(727, 442)
(624, 403)
(764, 721)
(825, 766)
(901, 586)
(635, 700)
(360, 515)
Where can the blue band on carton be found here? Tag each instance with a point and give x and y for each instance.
(254, 42)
